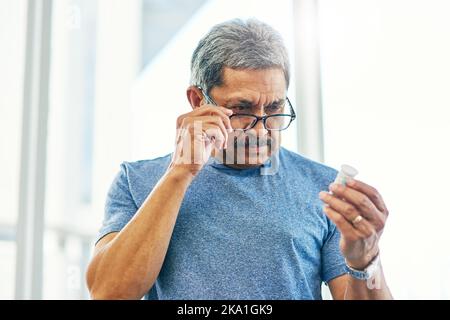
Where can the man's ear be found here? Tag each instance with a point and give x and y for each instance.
(194, 96)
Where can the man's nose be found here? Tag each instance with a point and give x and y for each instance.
(259, 127)
(260, 124)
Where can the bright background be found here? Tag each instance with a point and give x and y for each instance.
(118, 74)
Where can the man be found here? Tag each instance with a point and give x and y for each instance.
(230, 214)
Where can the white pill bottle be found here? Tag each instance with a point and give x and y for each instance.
(345, 173)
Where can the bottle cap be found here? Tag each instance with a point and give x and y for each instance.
(349, 170)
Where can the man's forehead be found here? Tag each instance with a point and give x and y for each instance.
(250, 86)
(271, 79)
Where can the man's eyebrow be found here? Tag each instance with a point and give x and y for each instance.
(237, 101)
(276, 103)
(247, 103)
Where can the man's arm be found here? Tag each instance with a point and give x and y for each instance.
(126, 264)
(360, 214)
(348, 288)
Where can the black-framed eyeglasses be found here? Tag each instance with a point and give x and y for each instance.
(272, 122)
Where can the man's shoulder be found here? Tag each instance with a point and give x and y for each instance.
(141, 176)
(146, 168)
(307, 167)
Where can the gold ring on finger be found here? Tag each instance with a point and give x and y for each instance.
(357, 220)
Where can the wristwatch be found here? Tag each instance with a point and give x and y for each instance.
(368, 272)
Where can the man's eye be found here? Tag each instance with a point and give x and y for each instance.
(274, 108)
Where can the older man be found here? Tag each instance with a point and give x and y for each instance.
(230, 214)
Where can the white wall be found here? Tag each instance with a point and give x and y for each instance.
(386, 80)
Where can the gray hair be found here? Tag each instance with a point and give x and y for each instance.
(237, 44)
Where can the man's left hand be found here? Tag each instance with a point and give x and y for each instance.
(359, 212)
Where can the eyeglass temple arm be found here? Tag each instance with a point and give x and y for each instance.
(294, 115)
(208, 98)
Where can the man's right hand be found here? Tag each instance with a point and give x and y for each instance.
(198, 132)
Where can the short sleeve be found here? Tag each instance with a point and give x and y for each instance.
(333, 263)
(120, 206)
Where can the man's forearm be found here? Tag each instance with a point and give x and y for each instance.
(129, 265)
(372, 289)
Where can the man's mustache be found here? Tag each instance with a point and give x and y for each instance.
(249, 141)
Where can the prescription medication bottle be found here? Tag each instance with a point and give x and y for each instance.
(345, 173)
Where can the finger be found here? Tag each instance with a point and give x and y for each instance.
(344, 208)
(179, 144)
(346, 229)
(349, 212)
(371, 192)
(225, 116)
(362, 230)
(185, 148)
(222, 112)
(364, 227)
(358, 199)
(215, 135)
(217, 122)
(180, 119)
(202, 123)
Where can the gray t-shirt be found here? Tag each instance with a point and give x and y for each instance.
(239, 234)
